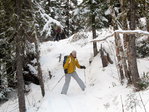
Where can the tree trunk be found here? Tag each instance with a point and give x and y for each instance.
(95, 51)
(38, 56)
(49, 3)
(93, 22)
(67, 19)
(125, 41)
(118, 49)
(19, 73)
(119, 56)
(147, 15)
(118, 45)
(0, 78)
(39, 67)
(19, 58)
(103, 57)
(132, 48)
(147, 21)
(126, 66)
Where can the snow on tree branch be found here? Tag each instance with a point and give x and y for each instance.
(132, 32)
(123, 32)
(102, 39)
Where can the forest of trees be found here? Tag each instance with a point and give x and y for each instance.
(23, 25)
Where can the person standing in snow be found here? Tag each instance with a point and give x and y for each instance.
(70, 66)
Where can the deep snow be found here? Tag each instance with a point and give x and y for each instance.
(104, 93)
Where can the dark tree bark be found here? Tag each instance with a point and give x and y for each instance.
(93, 22)
(67, 19)
(103, 57)
(119, 56)
(49, 3)
(109, 58)
(94, 36)
(147, 15)
(131, 47)
(39, 67)
(19, 73)
(19, 58)
(0, 79)
(126, 66)
(125, 41)
(118, 45)
(147, 20)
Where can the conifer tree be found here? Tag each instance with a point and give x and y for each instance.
(93, 11)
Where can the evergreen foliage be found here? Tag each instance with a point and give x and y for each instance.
(8, 31)
(97, 8)
(144, 83)
(68, 14)
(143, 49)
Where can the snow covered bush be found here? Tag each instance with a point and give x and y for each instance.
(3, 93)
(78, 36)
(144, 83)
(2, 96)
(131, 102)
(143, 48)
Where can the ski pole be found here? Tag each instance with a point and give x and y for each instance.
(57, 83)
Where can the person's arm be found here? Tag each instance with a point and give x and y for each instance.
(79, 66)
(77, 63)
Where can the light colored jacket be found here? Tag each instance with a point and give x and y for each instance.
(71, 64)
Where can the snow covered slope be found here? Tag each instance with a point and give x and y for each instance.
(104, 93)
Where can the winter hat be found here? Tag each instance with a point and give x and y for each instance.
(74, 53)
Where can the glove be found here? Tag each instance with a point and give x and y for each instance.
(82, 67)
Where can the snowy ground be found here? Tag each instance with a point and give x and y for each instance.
(104, 92)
